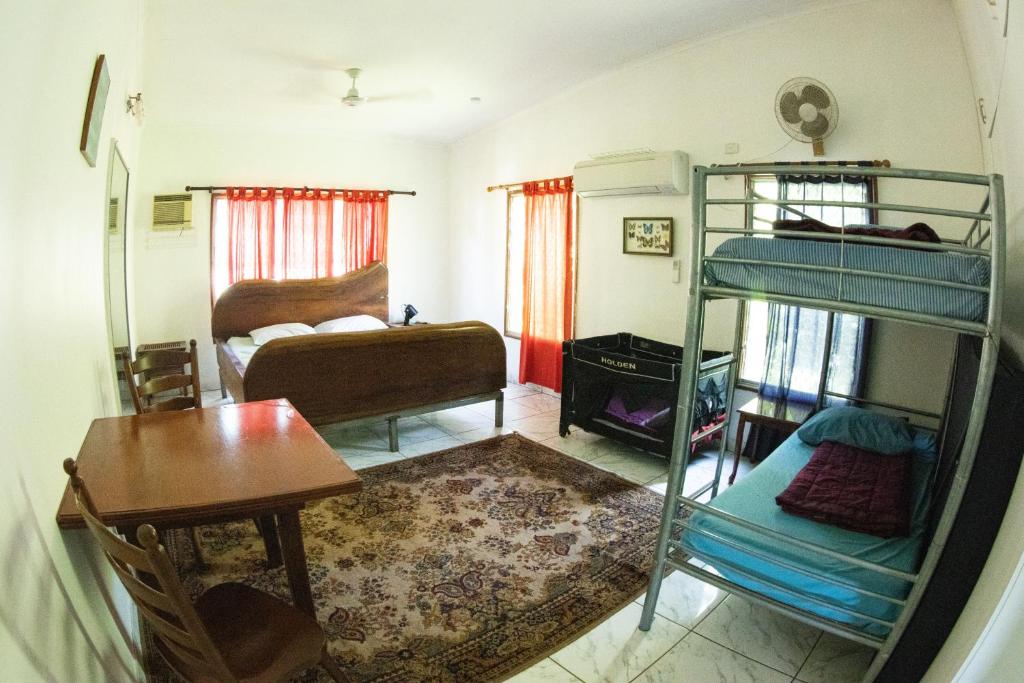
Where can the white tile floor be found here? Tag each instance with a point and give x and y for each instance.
(700, 635)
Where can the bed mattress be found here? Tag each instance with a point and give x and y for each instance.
(753, 498)
(243, 348)
(906, 296)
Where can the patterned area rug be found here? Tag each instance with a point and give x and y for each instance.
(464, 565)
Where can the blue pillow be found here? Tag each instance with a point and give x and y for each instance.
(860, 428)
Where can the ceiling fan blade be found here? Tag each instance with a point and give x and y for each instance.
(411, 96)
(816, 128)
(789, 108)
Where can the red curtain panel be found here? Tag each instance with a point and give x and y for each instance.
(364, 228)
(549, 277)
(250, 238)
(308, 234)
(298, 233)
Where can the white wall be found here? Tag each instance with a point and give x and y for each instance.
(58, 369)
(903, 89)
(172, 291)
(995, 613)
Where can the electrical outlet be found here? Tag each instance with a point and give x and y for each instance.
(732, 148)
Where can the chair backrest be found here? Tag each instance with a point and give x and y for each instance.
(150, 579)
(164, 370)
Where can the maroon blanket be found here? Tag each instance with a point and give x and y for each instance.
(852, 488)
(918, 232)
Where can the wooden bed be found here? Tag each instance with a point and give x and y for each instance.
(354, 376)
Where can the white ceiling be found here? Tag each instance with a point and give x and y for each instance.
(267, 63)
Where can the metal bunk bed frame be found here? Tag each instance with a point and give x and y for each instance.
(989, 224)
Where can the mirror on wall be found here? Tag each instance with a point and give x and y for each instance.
(115, 222)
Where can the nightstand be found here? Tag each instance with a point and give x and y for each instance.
(762, 413)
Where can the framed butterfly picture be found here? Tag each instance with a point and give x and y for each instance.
(647, 236)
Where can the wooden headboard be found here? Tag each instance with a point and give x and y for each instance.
(249, 304)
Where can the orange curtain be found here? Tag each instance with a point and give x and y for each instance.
(364, 227)
(308, 233)
(549, 279)
(250, 238)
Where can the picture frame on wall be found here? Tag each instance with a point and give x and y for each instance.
(647, 236)
(94, 106)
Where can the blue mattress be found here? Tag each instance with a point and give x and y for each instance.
(753, 498)
(906, 296)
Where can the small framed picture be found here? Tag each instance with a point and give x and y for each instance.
(98, 89)
(647, 236)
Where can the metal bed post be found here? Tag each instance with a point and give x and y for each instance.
(687, 389)
(734, 371)
(982, 390)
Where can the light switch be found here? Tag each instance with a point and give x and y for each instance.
(677, 270)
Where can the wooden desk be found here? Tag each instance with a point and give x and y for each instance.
(194, 467)
(784, 417)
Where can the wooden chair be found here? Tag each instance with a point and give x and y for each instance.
(164, 370)
(231, 633)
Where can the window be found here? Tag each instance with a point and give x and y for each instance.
(271, 234)
(784, 346)
(515, 263)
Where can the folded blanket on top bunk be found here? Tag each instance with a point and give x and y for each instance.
(918, 297)
(853, 488)
(918, 232)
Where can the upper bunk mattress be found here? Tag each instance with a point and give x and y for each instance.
(753, 499)
(931, 299)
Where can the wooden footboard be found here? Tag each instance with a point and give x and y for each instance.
(355, 375)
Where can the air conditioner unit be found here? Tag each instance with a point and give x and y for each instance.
(172, 212)
(654, 173)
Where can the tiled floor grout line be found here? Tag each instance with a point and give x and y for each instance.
(562, 668)
(737, 652)
(821, 635)
(686, 632)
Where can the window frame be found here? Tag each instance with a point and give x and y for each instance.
(871, 196)
(511, 192)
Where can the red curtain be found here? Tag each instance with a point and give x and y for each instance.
(364, 228)
(304, 240)
(250, 234)
(549, 279)
(308, 234)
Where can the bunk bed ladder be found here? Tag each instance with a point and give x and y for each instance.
(687, 395)
(982, 390)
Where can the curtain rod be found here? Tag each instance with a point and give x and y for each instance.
(884, 163)
(512, 186)
(212, 188)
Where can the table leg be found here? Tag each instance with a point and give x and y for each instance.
(290, 533)
(393, 434)
(268, 530)
(740, 425)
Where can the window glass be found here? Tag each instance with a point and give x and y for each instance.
(516, 264)
(813, 324)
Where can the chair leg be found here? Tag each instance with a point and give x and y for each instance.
(197, 548)
(331, 666)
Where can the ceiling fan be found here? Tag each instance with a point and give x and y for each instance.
(353, 99)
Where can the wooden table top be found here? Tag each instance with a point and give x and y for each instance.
(195, 465)
(784, 411)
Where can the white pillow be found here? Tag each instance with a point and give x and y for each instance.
(262, 335)
(353, 323)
